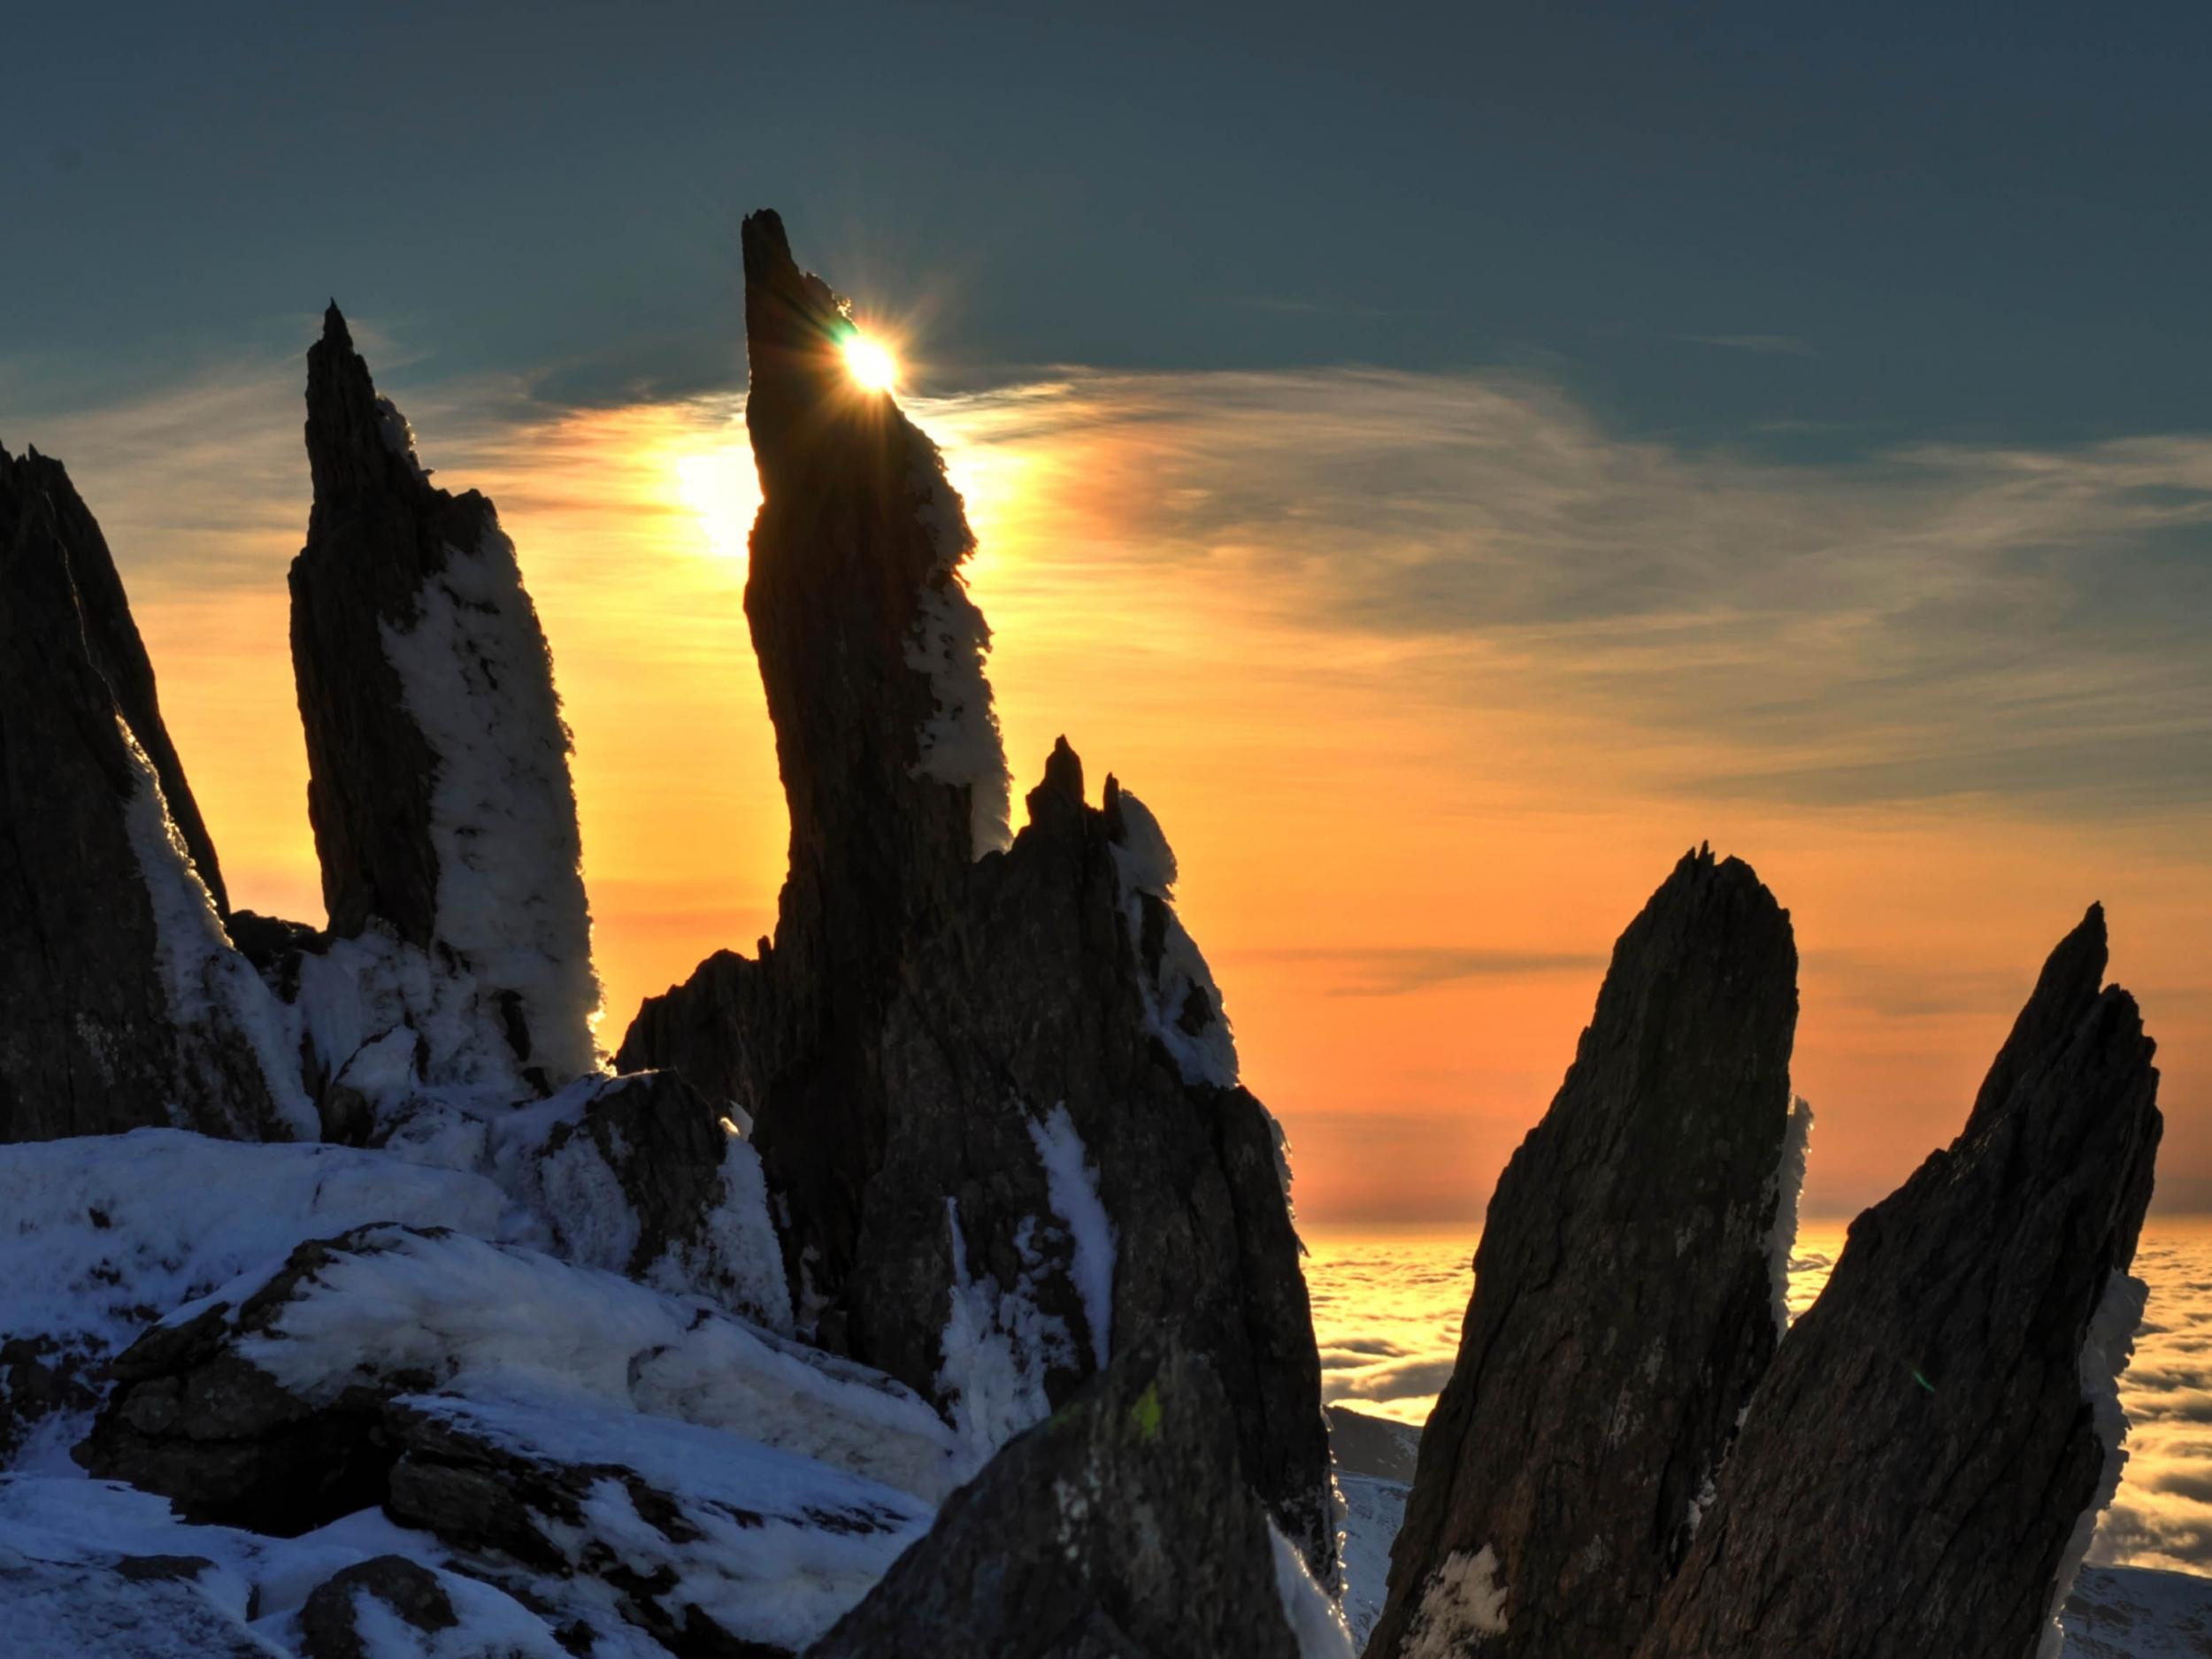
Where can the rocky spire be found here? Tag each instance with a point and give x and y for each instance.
(127, 1005)
(1920, 1472)
(1624, 1302)
(870, 653)
(993, 1084)
(438, 761)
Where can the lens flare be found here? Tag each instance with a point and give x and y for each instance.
(870, 362)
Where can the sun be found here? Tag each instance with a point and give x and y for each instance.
(870, 362)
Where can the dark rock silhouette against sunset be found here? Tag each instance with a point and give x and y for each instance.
(124, 1004)
(1625, 1303)
(926, 1283)
(1920, 1470)
(992, 1083)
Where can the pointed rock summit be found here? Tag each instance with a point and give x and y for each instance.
(1627, 1296)
(1921, 1471)
(993, 1087)
(126, 1004)
(438, 780)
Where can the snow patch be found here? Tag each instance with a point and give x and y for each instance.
(399, 437)
(476, 676)
(2106, 1349)
(997, 1348)
(1072, 1184)
(1462, 1603)
(1146, 866)
(960, 743)
(1315, 1620)
(1788, 1187)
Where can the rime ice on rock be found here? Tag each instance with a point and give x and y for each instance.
(1622, 1306)
(994, 1089)
(1921, 1469)
(438, 761)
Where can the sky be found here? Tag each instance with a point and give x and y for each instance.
(1446, 463)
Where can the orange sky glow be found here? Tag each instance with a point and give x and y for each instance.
(1405, 851)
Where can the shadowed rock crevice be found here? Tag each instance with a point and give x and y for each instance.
(1623, 1302)
(1920, 1469)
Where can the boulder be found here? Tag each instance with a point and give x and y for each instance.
(438, 782)
(1120, 1528)
(1626, 1299)
(330, 1619)
(1922, 1468)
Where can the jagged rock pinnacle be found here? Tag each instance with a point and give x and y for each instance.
(126, 1004)
(1624, 1306)
(1920, 1469)
(954, 1046)
(437, 759)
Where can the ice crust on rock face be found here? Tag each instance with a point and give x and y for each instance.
(476, 676)
(1622, 1313)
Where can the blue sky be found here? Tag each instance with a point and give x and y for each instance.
(1457, 459)
(1820, 230)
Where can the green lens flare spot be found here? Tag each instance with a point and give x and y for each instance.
(1145, 1413)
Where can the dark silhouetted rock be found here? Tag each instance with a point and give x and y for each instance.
(1920, 1470)
(1625, 1300)
(870, 653)
(125, 1004)
(329, 1620)
(110, 638)
(993, 1087)
(1120, 1528)
(438, 761)
(1053, 1182)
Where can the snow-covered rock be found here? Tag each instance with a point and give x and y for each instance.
(216, 1406)
(439, 781)
(102, 1236)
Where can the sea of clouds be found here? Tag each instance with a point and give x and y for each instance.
(1387, 1311)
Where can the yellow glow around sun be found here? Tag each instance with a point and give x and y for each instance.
(870, 362)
